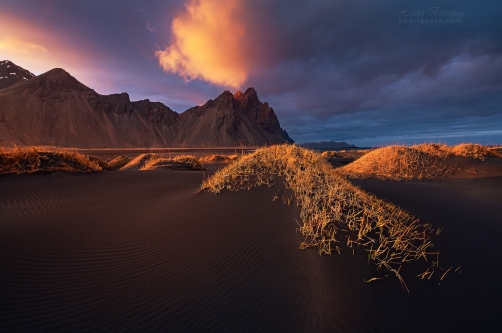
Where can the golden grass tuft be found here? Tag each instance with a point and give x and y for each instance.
(181, 162)
(396, 163)
(474, 150)
(434, 149)
(328, 154)
(37, 159)
(424, 161)
(154, 161)
(464, 150)
(140, 161)
(119, 162)
(219, 158)
(214, 159)
(331, 207)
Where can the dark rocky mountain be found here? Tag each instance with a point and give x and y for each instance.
(231, 120)
(326, 145)
(10, 74)
(56, 109)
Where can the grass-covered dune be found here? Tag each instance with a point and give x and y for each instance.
(34, 159)
(425, 161)
(154, 161)
(333, 211)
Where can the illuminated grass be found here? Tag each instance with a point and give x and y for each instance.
(328, 154)
(36, 159)
(119, 162)
(153, 161)
(332, 209)
(140, 161)
(425, 161)
(177, 162)
(218, 158)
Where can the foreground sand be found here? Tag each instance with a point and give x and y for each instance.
(143, 251)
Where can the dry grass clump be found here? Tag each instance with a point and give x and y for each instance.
(464, 150)
(424, 161)
(234, 157)
(214, 159)
(33, 159)
(140, 161)
(331, 207)
(434, 149)
(182, 162)
(102, 164)
(328, 154)
(219, 158)
(153, 161)
(396, 163)
(119, 162)
(474, 150)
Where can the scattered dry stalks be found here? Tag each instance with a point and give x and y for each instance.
(139, 162)
(119, 162)
(153, 161)
(328, 154)
(330, 204)
(37, 159)
(179, 162)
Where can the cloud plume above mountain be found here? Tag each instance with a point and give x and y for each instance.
(207, 43)
(345, 70)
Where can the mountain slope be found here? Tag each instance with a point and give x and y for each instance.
(56, 109)
(11, 74)
(229, 120)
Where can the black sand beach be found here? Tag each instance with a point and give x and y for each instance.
(144, 252)
(108, 154)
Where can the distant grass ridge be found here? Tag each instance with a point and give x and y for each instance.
(176, 163)
(119, 162)
(218, 158)
(34, 159)
(330, 205)
(154, 161)
(424, 161)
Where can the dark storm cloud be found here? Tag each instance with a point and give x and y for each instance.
(332, 70)
(350, 70)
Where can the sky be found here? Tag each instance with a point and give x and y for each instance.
(361, 71)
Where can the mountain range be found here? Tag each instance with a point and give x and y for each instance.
(326, 145)
(56, 109)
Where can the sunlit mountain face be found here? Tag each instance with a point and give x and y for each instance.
(362, 72)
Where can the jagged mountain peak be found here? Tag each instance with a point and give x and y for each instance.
(58, 78)
(56, 109)
(10, 74)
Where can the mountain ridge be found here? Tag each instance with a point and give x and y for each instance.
(11, 73)
(54, 108)
(326, 144)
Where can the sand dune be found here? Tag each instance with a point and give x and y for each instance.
(143, 251)
(40, 160)
(426, 161)
(154, 161)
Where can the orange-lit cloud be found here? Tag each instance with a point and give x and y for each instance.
(16, 45)
(38, 49)
(31, 46)
(207, 43)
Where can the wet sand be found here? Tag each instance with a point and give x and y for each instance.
(144, 252)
